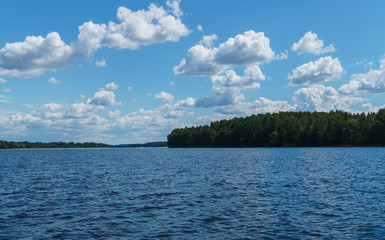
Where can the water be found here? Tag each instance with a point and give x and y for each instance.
(275, 193)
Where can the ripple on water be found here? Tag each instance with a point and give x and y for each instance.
(293, 193)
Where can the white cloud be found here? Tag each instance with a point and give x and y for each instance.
(53, 80)
(310, 43)
(199, 62)
(103, 98)
(150, 124)
(324, 99)
(260, 105)
(82, 110)
(37, 55)
(101, 63)
(368, 107)
(164, 117)
(81, 122)
(163, 96)
(129, 88)
(242, 50)
(89, 39)
(282, 56)
(200, 29)
(2, 80)
(371, 82)
(113, 114)
(174, 5)
(111, 86)
(6, 90)
(228, 86)
(171, 83)
(82, 96)
(246, 48)
(144, 27)
(323, 70)
(49, 111)
(208, 41)
(50, 121)
(143, 119)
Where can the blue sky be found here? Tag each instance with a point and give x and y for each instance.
(131, 71)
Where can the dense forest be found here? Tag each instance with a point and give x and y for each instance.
(336, 128)
(11, 145)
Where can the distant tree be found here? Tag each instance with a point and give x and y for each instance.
(286, 129)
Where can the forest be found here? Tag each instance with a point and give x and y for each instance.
(12, 145)
(287, 129)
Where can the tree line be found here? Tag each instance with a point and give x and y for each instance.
(25, 144)
(336, 128)
(149, 144)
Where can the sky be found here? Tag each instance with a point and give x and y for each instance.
(130, 71)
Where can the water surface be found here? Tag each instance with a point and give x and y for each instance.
(261, 193)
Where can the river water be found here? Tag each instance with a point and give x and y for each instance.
(142, 193)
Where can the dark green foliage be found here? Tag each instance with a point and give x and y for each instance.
(10, 145)
(336, 128)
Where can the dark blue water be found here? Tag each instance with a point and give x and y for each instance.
(278, 193)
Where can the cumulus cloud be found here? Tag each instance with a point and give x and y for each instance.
(228, 86)
(50, 119)
(82, 110)
(82, 122)
(174, 5)
(129, 88)
(37, 55)
(103, 98)
(163, 96)
(101, 63)
(323, 99)
(113, 114)
(200, 61)
(200, 28)
(53, 80)
(89, 40)
(260, 105)
(209, 40)
(111, 86)
(145, 27)
(323, 70)
(2, 80)
(49, 111)
(164, 116)
(310, 43)
(34, 56)
(149, 124)
(371, 82)
(368, 107)
(242, 50)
